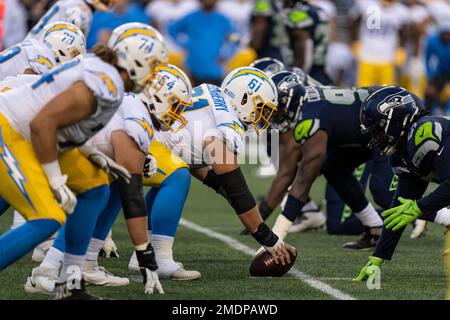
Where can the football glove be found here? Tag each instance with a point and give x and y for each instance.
(370, 269)
(401, 215)
(104, 162)
(65, 198)
(150, 166)
(148, 266)
(109, 249)
(63, 195)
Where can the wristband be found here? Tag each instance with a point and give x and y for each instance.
(265, 236)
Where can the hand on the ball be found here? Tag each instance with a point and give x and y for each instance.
(281, 252)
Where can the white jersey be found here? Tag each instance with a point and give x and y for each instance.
(72, 11)
(210, 116)
(379, 30)
(29, 54)
(132, 118)
(20, 105)
(11, 82)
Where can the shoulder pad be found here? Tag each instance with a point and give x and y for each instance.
(262, 8)
(299, 18)
(305, 129)
(424, 137)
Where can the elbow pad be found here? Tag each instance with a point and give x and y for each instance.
(132, 197)
(235, 186)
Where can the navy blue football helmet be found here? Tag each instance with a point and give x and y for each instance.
(291, 95)
(269, 66)
(386, 116)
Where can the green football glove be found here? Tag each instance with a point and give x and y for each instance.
(369, 269)
(401, 215)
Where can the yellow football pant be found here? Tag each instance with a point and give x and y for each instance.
(24, 183)
(167, 164)
(375, 74)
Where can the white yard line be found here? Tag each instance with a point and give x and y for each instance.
(309, 280)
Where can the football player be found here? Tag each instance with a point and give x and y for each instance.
(320, 128)
(214, 135)
(419, 150)
(33, 137)
(61, 42)
(306, 22)
(77, 12)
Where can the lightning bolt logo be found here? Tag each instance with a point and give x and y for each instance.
(144, 124)
(43, 60)
(14, 169)
(109, 83)
(235, 126)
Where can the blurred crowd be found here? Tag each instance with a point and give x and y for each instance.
(369, 42)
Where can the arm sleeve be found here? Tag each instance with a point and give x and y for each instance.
(440, 197)
(409, 187)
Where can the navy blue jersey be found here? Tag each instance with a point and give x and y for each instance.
(315, 21)
(426, 156)
(276, 43)
(335, 111)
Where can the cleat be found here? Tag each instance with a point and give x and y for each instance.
(265, 171)
(368, 240)
(308, 221)
(64, 292)
(179, 274)
(420, 229)
(99, 276)
(41, 280)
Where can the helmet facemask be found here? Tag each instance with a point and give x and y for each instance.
(166, 116)
(261, 114)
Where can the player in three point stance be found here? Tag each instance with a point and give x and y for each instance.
(320, 128)
(419, 150)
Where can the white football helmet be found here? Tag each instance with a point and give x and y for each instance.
(253, 96)
(101, 5)
(140, 49)
(168, 95)
(65, 40)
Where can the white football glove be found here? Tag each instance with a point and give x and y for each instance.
(151, 281)
(104, 162)
(150, 166)
(148, 266)
(109, 249)
(65, 198)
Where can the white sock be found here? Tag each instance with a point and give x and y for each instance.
(369, 217)
(150, 235)
(443, 217)
(282, 226)
(18, 220)
(95, 245)
(72, 267)
(53, 258)
(163, 252)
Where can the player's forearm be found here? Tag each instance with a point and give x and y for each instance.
(251, 219)
(279, 188)
(387, 243)
(438, 199)
(44, 141)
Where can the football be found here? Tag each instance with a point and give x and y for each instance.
(263, 265)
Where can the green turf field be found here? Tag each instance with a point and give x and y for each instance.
(417, 271)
